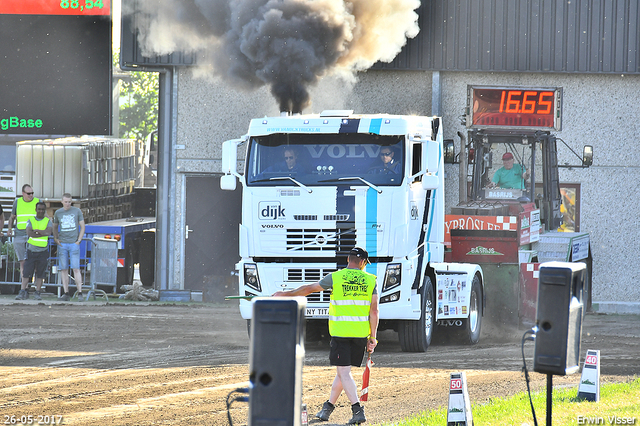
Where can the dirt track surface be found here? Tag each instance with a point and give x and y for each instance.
(97, 364)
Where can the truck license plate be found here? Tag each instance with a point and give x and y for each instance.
(317, 312)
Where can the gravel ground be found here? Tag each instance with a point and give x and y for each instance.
(156, 364)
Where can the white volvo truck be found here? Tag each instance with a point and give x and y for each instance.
(315, 186)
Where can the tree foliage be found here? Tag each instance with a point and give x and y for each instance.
(138, 104)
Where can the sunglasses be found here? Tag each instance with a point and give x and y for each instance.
(288, 158)
(386, 154)
(29, 193)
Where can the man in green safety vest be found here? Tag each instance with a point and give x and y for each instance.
(23, 208)
(353, 326)
(38, 230)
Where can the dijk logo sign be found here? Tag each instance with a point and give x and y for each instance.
(270, 210)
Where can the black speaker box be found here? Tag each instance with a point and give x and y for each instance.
(276, 359)
(559, 318)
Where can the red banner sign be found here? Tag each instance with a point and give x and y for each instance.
(55, 7)
(480, 223)
(528, 232)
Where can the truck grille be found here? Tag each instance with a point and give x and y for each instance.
(310, 275)
(339, 241)
(323, 296)
(307, 275)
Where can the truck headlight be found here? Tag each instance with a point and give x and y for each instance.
(251, 276)
(393, 297)
(392, 277)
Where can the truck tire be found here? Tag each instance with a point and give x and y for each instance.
(470, 332)
(415, 336)
(316, 331)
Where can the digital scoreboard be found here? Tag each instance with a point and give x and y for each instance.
(55, 7)
(55, 67)
(514, 108)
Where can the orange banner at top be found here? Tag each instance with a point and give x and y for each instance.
(55, 7)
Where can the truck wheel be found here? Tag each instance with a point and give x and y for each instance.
(316, 331)
(415, 336)
(470, 333)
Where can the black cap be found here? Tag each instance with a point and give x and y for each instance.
(359, 253)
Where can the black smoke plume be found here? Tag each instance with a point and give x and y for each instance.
(286, 44)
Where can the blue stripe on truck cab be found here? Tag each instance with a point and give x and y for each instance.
(371, 234)
(374, 126)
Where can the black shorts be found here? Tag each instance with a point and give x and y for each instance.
(36, 261)
(347, 351)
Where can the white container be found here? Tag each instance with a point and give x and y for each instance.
(57, 166)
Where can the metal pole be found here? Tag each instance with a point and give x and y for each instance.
(163, 218)
(173, 224)
(462, 190)
(549, 397)
(436, 94)
(167, 108)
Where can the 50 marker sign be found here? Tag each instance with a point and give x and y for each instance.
(456, 384)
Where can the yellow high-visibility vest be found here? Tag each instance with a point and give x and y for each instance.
(351, 303)
(39, 225)
(24, 211)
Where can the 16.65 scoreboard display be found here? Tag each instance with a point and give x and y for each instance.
(514, 108)
(55, 67)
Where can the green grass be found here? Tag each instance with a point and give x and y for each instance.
(618, 402)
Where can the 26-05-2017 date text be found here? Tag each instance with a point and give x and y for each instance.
(41, 419)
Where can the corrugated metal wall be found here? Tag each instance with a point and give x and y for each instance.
(578, 36)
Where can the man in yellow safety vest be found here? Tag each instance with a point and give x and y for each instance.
(38, 230)
(23, 208)
(353, 326)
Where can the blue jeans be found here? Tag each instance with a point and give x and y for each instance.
(68, 252)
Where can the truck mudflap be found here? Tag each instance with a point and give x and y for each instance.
(459, 299)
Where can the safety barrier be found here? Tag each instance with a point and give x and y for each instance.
(99, 252)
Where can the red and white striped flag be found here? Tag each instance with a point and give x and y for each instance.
(364, 394)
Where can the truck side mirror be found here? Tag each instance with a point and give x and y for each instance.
(431, 155)
(229, 164)
(449, 153)
(431, 158)
(228, 182)
(430, 181)
(587, 156)
(229, 156)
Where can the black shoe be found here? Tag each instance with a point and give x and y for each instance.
(327, 409)
(22, 295)
(37, 296)
(358, 414)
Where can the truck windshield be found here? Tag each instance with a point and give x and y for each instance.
(322, 159)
